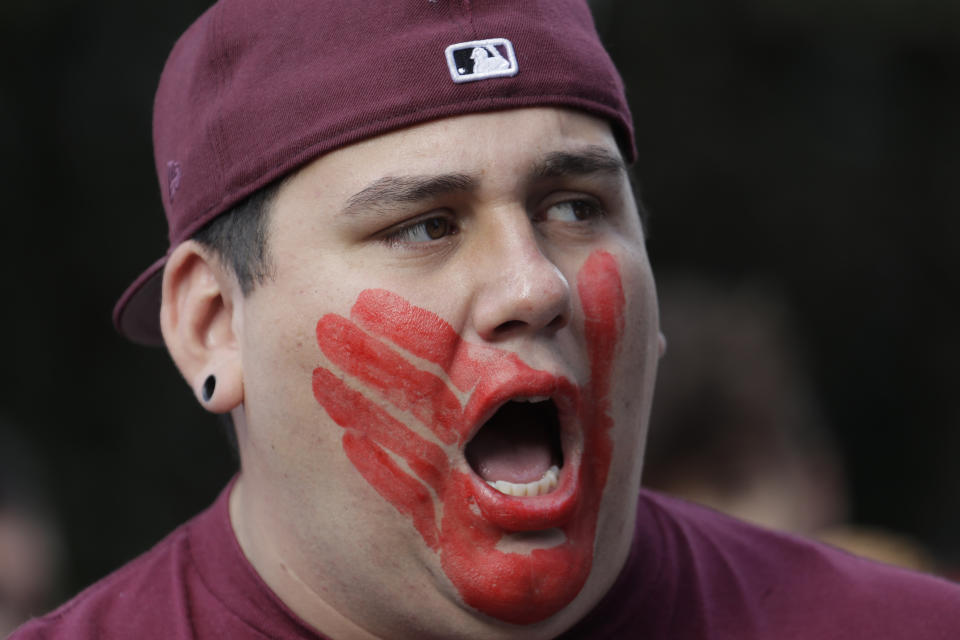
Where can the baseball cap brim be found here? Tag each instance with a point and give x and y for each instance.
(137, 312)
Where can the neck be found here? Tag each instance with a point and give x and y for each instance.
(268, 561)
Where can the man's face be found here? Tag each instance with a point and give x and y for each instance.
(448, 378)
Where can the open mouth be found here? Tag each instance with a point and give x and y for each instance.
(518, 450)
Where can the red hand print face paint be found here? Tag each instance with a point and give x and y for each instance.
(402, 360)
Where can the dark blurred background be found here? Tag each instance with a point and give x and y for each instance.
(809, 146)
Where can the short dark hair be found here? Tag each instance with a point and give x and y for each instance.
(239, 239)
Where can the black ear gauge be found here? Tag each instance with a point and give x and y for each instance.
(208, 387)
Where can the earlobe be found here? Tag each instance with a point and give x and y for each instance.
(661, 343)
(197, 319)
(222, 391)
(209, 386)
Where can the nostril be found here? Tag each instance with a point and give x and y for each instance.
(509, 326)
(559, 321)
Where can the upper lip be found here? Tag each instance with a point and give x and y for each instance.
(486, 400)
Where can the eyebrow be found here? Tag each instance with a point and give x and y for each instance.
(585, 161)
(390, 191)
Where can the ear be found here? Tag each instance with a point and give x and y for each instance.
(661, 343)
(199, 316)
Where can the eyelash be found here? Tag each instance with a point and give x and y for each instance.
(593, 208)
(405, 235)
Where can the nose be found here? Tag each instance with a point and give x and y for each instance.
(519, 290)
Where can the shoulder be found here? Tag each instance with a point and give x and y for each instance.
(798, 587)
(195, 583)
(139, 595)
(694, 573)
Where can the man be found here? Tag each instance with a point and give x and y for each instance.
(421, 292)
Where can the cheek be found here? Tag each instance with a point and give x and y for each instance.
(641, 345)
(638, 349)
(638, 284)
(618, 298)
(634, 373)
(284, 419)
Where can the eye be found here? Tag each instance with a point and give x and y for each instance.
(576, 210)
(426, 230)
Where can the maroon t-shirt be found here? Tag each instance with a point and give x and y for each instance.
(692, 573)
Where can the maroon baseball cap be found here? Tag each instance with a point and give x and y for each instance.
(254, 90)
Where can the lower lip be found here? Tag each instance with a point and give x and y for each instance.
(537, 513)
(517, 587)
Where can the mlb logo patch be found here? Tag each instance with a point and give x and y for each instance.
(481, 60)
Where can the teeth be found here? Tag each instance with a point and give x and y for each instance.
(544, 485)
(532, 399)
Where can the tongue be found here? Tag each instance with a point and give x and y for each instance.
(512, 447)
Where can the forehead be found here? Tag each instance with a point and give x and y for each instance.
(492, 147)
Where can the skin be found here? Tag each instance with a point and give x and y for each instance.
(511, 243)
(520, 586)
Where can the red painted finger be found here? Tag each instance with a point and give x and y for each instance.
(601, 295)
(351, 410)
(428, 336)
(421, 332)
(407, 495)
(375, 364)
